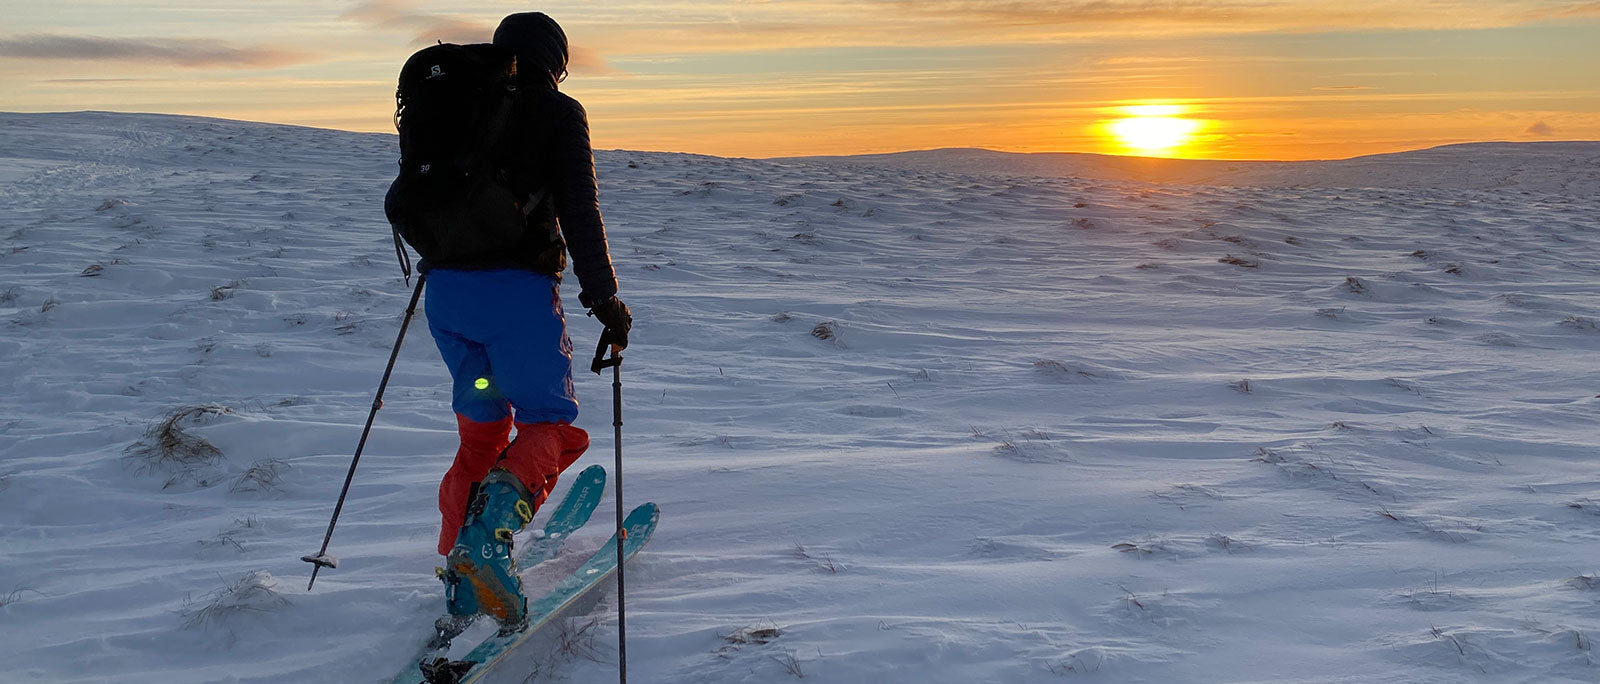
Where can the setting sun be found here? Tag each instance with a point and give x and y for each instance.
(1153, 129)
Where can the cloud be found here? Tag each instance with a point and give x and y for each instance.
(1148, 61)
(1235, 16)
(1035, 12)
(582, 60)
(426, 28)
(1566, 11)
(634, 27)
(189, 52)
(1542, 129)
(1343, 88)
(92, 81)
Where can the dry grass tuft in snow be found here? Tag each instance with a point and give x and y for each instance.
(824, 562)
(1580, 323)
(748, 635)
(1031, 446)
(168, 446)
(230, 537)
(1229, 544)
(263, 476)
(791, 664)
(254, 593)
(1067, 373)
(752, 634)
(1073, 665)
(1149, 546)
(577, 640)
(1586, 505)
(1450, 638)
(1588, 582)
(16, 595)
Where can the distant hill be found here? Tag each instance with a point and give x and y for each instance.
(1554, 167)
(1567, 167)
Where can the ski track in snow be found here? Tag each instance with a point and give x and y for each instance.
(932, 427)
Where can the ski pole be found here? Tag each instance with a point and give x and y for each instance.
(321, 559)
(615, 363)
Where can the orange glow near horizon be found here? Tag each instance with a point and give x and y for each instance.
(1157, 130)
(1255, 80)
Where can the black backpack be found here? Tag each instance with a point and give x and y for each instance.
(452, 200)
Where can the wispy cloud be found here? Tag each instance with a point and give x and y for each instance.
(428, 27)
(582, 60)
(1231, 16)
(94, 81)
(425, 27)
(1566, 10)
(1542, 129)
(189, 52)
(636, 28)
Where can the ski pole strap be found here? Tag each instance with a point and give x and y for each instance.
(400, 253)
(600, 360)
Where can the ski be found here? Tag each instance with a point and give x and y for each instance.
(639, 525)
(573, 511)
(571, 514)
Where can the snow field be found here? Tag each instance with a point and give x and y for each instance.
(904, 425)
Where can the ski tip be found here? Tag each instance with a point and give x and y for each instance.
(645, 512)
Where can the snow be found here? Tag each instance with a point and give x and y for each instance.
(1571, 167)
(934, 422)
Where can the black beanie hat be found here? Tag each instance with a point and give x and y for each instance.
(540, 44)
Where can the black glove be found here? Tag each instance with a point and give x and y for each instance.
(616, 317)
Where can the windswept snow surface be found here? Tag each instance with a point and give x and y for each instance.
(903, 425)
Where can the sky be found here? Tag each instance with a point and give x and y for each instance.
(1225, 79)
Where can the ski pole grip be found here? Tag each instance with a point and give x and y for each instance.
(600, 360)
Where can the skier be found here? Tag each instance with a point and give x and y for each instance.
(498, 322)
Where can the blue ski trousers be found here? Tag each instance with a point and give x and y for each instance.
(504, 336)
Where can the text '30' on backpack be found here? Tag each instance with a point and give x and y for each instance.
(452, 200)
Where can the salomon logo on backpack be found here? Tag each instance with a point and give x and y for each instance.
(452, 200)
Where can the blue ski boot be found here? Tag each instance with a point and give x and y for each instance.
(480, 573)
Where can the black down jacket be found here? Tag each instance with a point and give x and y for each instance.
(546, 154)
(550, 154)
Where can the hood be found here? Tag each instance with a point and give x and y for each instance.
(540, 44)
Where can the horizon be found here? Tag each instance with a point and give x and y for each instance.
(873, 154)
(1282, 80)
